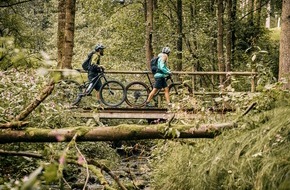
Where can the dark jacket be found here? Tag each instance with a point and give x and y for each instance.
(94, 68)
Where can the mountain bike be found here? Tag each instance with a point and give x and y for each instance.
(112, 92)
(137, 92)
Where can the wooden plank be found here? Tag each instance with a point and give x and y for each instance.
(124, 115)
(135, 115)
(140, 113)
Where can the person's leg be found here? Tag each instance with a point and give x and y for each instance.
(151, 94)
(97, 88)
(98, 95)
(157, 85)
(167, 96)
(164, 85)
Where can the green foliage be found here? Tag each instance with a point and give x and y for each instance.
(18, 89)
(12, 56)
(27, 23)
(253, 156)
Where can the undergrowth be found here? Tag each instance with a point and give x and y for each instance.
(18, 89)
(253, 156)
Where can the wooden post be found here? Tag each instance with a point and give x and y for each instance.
(253, 81)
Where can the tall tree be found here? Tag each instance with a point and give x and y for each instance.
(149, 31)
(229, 35)
(284, 65)
(220, 52)
(65, 33)
(268, 18)
(60, 32)
(179, 37)
(69, 33)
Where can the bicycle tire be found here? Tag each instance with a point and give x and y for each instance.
(112, 93)
(178, 90)
(137, 94)
(67, 91)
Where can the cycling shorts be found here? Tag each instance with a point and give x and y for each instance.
(160, 83)
(98, 85)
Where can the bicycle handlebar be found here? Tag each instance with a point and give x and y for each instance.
(79, 70)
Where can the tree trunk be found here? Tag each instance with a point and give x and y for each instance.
(122, 132)
(234, 19)
(149, 30)
(284, 64)
(268, 18)
(60, 32)
(259, 11)
(229, 36)
(251, 12)
(220, 51)
(41, 97)
(179, 34)
(69, 34)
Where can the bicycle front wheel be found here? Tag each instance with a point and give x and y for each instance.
(137, 94)
(112, 93)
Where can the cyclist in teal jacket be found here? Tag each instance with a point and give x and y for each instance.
(160, 76)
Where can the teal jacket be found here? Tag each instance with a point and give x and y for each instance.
(164, 71)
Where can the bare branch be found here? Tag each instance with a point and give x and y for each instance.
(13, 4)
(20, 153)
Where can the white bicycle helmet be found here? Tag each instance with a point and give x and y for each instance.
(166, 50)
(99, 46)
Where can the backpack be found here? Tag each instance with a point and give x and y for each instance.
(86, 64)
(154, 65)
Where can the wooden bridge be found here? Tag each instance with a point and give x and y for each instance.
(140, 113)
(126, 113)
(161, 113)
(191, 75)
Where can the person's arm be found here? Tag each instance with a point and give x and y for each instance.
(95, 68)
(162, 66)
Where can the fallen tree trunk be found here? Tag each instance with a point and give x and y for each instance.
(13, 124)
(41, 97)
(121, 132)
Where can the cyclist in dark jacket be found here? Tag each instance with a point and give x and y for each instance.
(94, 67)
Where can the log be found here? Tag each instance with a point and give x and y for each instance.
(20, 153)
(121, 132)
(13, 124)
(40, 98)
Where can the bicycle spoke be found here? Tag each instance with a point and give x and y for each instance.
(136, 94)
(112, 93)
(66, 91)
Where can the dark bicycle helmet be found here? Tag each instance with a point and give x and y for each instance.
(99, 46)
(166, 50)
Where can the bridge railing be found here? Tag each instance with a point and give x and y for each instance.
(252, 77)
(192, 76)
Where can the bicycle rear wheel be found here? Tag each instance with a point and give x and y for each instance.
(66, 91)
(112, 93)
(137, 94)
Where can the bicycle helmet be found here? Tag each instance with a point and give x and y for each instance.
(166, 50)
(99, 46)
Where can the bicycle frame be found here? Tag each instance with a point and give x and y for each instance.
(91, 84)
